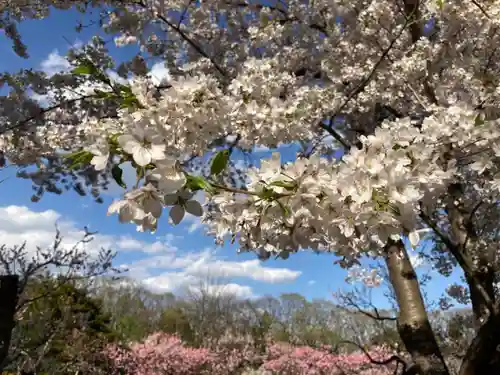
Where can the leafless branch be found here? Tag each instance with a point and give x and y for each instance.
(393, 358)
(375, 315)
(481, 8)
(46, 110)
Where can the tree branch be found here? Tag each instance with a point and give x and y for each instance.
(457, 252)
(191, 42)
(481, 8)
(375, 315)
(46, 110)
(374, 69)
(393, 358)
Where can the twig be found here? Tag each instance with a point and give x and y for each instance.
(481, 8)
(45, 110)
(369, 77)
(191, 42)
(462, 260)
(393, 358)
(329, 128)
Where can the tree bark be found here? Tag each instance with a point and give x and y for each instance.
(413, 322)
(482, 356)
(9, 285)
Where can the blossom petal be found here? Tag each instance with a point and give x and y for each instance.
(129, 143)
(115, 206)
(99, 162)
(177, 214)
(128, 212)
(194, 208)
(171, 185)
(153, 207)
(171, 199)
(414, 238)
(142, 156)
(157, 152)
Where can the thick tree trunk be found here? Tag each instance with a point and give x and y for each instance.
(9, 285)
(482, 357)
(413, 322)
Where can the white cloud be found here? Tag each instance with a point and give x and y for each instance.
(162, 265)
(116, 78)
(417, 260)
(55, 63)
(195, 226)
(19, 224)
(311, 282)
(129, 243)
(159, 73)
(231, 289)
(78, 44)
(252, 269)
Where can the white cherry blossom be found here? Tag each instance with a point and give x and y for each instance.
(100, 150)
(145, 145)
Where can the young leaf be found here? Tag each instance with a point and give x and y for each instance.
(139, 172)
(285, 209)
(284, 184)
(479, 120)
(117, 174)
(129, 102)
(198, 183)
(220, 162)
(104, 94)
(84, 69)
(81, 157)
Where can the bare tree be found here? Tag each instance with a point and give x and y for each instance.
(62, 265)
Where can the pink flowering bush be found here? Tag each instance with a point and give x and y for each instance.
(162, 354)
(235, 353)
(303, 360)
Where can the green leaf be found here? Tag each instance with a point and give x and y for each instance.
(117, 174)
(129, 102)
(440, 4)
(196, 183)
(289, 185)
(105, 94)
(479, 120)
(220, 162)
(139, 172)
(81, 157)
(127, 90)
(84, 69)
(267, 194)
(73, 154)
(286, 210)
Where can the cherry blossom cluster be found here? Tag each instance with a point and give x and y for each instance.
(374, 193)
(272, 75)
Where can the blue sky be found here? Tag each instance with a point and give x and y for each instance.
(172, 258)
